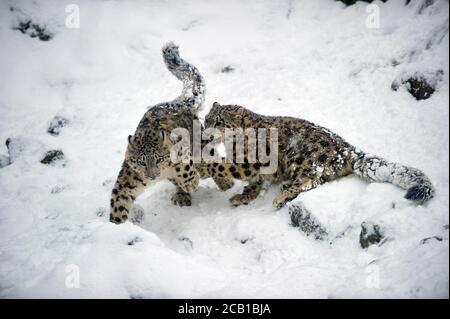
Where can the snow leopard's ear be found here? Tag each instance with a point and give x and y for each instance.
(163, 134)
(165, 138)
(131, 145)
(165, 128)
(216, 104)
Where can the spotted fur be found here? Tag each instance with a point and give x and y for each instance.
(309, 155)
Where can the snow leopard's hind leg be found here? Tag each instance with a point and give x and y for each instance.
(298, 186)
(250, 193)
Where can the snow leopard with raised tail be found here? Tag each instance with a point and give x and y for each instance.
(148, 159)
(308, 156)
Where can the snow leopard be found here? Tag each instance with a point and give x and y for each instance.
(308, 156)
(147, 157)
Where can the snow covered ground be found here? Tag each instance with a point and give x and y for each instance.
(312, 59)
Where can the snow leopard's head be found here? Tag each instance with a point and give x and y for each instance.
(147, 152)
(224, 116)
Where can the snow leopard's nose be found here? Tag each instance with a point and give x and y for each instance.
(152, 169)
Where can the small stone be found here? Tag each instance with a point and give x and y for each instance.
(134, 241)
(227, 69)
(23, 26)
(41, 33)
(34, 30)
(370, 234)
(306, 222)
(56, 125)
(52, 157)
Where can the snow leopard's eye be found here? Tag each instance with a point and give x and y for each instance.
(142, 160)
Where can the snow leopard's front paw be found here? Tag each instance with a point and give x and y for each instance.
(240, 199)
(224, 184)
(181, 199)
(118, 217)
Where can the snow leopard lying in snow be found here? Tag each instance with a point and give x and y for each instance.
(308, 156)
(147, 158)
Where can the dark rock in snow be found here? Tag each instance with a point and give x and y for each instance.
(419, 86)
(426, 240)
(33, 30)
(370, 234)
(23, 26)
(52, 157)
(134, 241)
(307, 223)
(56, 125)
(227, 69)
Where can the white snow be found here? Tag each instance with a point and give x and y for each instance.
(311, 59)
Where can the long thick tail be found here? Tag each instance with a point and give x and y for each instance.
(193, 84)
(375, 169)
